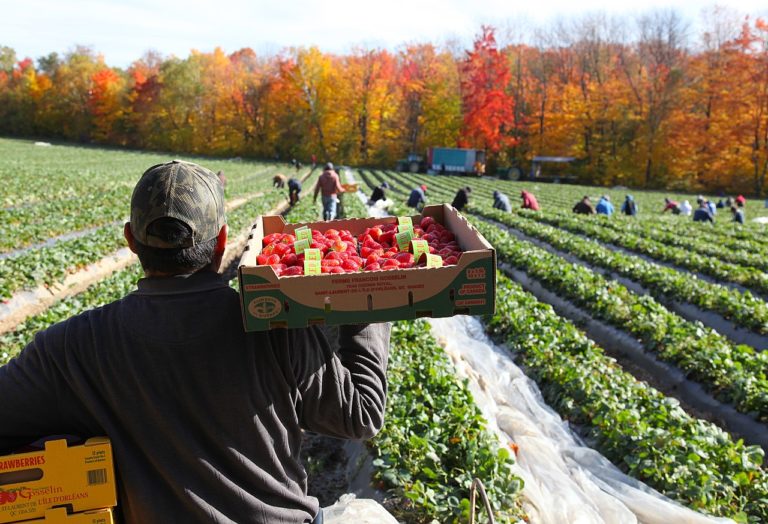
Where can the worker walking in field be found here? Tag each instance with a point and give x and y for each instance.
(294, 191)
(462, 198)
(205, 419)
(501, 201)
(329, 186)
(629, 207)
(378, 193)
(584, 206)
(418, 197)
(529, 201)
(604, 206)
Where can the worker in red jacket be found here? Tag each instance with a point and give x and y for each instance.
(529, 201)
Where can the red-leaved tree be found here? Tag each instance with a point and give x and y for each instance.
(488, 105)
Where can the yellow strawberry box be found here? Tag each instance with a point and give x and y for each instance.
(77, 478)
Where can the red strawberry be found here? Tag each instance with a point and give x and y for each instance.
(292, 271)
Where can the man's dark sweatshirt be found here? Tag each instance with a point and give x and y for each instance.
(205, 419)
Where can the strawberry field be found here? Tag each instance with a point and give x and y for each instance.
(643, 337)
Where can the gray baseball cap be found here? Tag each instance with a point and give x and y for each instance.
(182, 190)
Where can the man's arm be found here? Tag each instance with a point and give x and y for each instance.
(342, 392)
(317, 190)
(33, 398)
(339, 188)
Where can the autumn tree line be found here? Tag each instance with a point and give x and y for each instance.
(643, 107)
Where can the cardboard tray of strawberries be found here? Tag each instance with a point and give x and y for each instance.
(363, 270)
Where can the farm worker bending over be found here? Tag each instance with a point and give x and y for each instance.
(529, 201)
(604, 206)
(278, 181)
(671, 205)
(685, 208)
(330, 186)
(378, 194)
(629, 207)
(501, 201)
(738, 214)
(418, 197)
(462, 198)
(294, 190)
(702, 214)
(205, 419)
(584, 207)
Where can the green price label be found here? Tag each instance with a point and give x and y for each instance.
(404, 223)
(303, 233)
(404, 239)
(313, 254)
(419, 247)
(312, 267)
(434, 261)
(300, 246)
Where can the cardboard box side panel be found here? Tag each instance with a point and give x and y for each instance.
(469, 289)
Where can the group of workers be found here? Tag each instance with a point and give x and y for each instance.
(706, 209)
(329, 186)
(604, 206)
(418, 198)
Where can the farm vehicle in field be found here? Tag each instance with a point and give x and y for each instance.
(445, 160)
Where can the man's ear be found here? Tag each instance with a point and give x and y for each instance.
(221, 246)
(128, 234)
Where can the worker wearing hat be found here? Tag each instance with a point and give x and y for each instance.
(418, 197)
(205, 420)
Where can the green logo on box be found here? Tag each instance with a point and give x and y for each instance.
(265, 307)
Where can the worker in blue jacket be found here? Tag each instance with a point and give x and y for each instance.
(604, 206)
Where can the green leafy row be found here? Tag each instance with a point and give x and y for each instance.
(733, 373)
(49, 192)
(51, 264)
(745, 309)
(645, 433)
(434, 441)
(750, 277)
(747, 253)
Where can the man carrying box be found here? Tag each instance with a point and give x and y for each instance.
(205, 419)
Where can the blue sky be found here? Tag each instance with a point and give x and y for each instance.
(122, 30)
